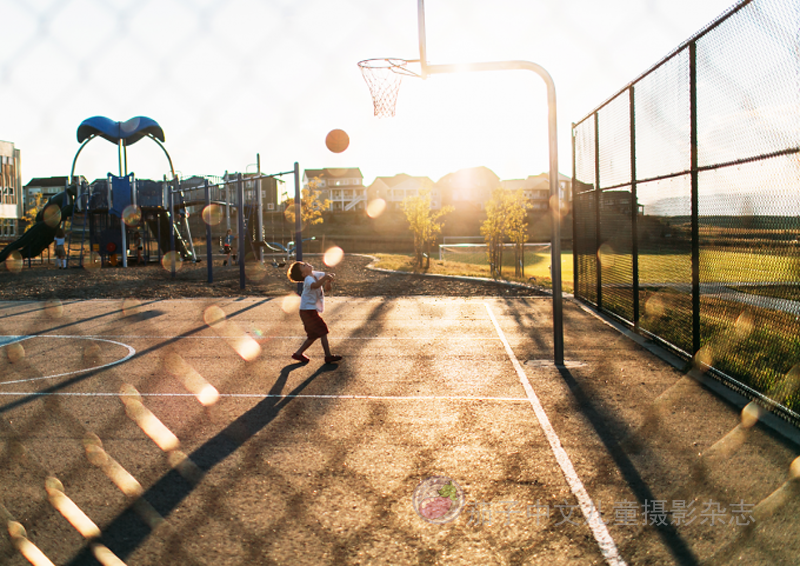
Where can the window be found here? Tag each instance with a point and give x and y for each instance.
(270, 206)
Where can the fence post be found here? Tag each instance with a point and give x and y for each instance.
(209, 257)
(695, 199)
(242, 233)
(597, 201)
(634, 212)
(574, 216)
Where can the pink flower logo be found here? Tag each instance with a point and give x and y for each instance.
(438, 499)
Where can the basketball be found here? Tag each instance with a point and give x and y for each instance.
(337, 141)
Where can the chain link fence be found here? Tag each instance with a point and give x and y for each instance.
(686, 210)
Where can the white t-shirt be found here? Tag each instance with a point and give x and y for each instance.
(312, 299)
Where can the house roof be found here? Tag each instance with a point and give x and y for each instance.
(50, 181)
(404, 179)
(470, 177)
(333, 173)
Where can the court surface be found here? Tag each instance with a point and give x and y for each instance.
(181, 432)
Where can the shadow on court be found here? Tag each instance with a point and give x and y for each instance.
(318, 464)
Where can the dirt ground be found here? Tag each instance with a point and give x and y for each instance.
(43, 281)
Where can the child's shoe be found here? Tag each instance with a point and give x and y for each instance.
(332, 359)
(302, 358)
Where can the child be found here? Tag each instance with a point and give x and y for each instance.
(137, 243)
(312, 303)
(61, 254)
(227, 247)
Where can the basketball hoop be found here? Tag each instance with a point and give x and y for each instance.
(383, 77)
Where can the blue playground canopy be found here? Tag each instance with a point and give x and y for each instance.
(129, 131)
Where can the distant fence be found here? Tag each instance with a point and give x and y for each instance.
(687, 203)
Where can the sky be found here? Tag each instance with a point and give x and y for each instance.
(228, 80)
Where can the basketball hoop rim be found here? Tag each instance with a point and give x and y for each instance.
(394, 64)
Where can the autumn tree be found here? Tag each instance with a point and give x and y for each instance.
(424, 225)
(33, 209)
(311, 205)
(517, 228)
(506, 218)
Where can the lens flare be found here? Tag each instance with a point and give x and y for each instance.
(146, 420)
(194, 383)
(25, 547)
(606, 255)
(15, 352)
(213, 315)
(171, 259)
(376, 207)
(208, 395)
(242, 344)
(744, 325)
(181, 463)
(53, 309)
(212, 214)
(254, 270)
(130, 305)
(91, 352)
(291, 303)
(132, 215)
(751, 415)
(704, 358)
(52, 215)
(247, 348)
(655, 306)
(554, 202)
(333, 256)
(97, 456)
(794, 468)
(104, 556)
(69, 510)
(288, 213)
(14, 262)
(92, 261)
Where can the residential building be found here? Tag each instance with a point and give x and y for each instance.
(344, 187)
(393, 190)
(11, 202)
(468, 188)
(273, 189)
(536, 189)
(45, 186)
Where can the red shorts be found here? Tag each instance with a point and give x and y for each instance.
(314, 325)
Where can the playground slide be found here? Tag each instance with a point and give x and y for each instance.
(160, 228)
(38, 237)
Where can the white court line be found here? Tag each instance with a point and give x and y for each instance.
(267, 396)
(601, 534)
(131, 352)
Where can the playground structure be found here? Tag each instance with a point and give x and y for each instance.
(108, 214)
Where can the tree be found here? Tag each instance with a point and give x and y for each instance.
(33, 209)
(311, 205)
(506, 216)
(517, 228)
(424, 225)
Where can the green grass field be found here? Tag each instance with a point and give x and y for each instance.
(537, 266)
(716, 266)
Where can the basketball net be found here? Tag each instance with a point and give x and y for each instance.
(383, 77)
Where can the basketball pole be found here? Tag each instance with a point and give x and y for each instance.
(555, 199)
